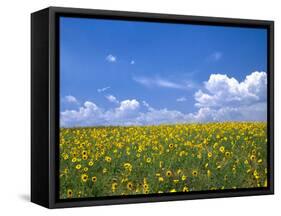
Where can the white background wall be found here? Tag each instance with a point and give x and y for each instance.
(15, 106)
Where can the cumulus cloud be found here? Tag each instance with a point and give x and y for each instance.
(225, 98)
(70, 99)
(129, 105)
(103, 89)
(162, 116)
(111, 58)
(90, 114)
(255, 112)
(222, 90)
(125, 114)
(222, 98)
(112, 99)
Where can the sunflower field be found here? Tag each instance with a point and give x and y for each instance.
(115, 160)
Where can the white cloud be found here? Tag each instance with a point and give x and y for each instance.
(125, 114)
(255, 112)
(129, 105)
(223, 91)
(103, 89)
(111, 58)
(181, 99)
(226, 99)
(222, 99)
(70, 99)
(132, 62)
(88, 114)
(112, 99)
(162, 116)
(164, 83)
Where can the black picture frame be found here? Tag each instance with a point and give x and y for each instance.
(45, 105)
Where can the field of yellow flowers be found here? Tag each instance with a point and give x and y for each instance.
(108, 161)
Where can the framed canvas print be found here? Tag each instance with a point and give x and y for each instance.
(139, 107)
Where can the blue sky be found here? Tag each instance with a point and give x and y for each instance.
(163, 67)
